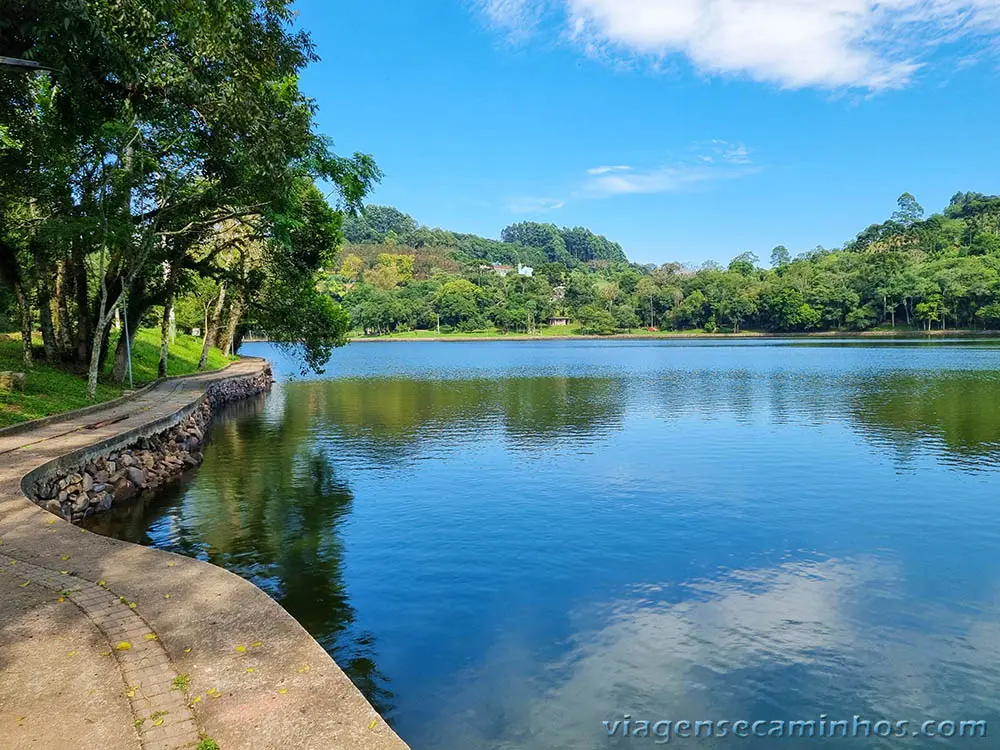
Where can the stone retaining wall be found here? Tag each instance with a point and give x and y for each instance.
(148, 463)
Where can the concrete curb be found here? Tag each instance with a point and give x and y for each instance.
(255, 677)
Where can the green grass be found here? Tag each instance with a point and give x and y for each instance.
(52, 390)
(183, 360)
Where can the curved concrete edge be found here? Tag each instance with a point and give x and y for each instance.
(65, 416)
(254, 677)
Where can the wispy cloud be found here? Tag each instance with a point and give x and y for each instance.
(535, 205)
(832, 44)
(606, 170)
(666, 179)
(517, 18)
(706, 162)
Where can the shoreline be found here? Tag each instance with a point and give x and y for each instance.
(825, 335)
(176, 649)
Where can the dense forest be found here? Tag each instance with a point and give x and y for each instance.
(160, 156)
(937, 272)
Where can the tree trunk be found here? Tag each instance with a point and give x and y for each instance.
(24, 304)
(232, 321)
(168, 308)
(45, 320)
(213, 327)
(83, 333)
(62, 309)
(120, 369)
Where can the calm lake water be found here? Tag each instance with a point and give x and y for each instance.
(505, 544)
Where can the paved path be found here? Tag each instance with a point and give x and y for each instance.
(111, 645)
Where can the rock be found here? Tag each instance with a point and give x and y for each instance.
(102, 476)
(80, 503)
(54, 506)
(74, 479)
(105, 502)
(112, 467)
(126, 460)
(88, 483)
(136, 476)
(13, 381)
(63, 496)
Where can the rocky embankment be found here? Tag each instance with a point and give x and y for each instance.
(147, 463)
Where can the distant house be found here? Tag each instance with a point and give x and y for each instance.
(559, 321)
(525, 270)
(559, 293)
(502, 271)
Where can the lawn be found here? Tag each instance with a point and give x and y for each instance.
(51, 390)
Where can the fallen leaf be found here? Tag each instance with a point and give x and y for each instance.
(171, 565)
(105, 653)
(241, 649)
(131, 692)
(304, 669)
(256, 644)
(131, 605)
(187, 650)
(372, 725)
(157, 722)
(166, 596)
(64, 558)
(25, 584)
(196, 699)
(282, 691)
(51, 521)
(102, 584)
(150, 636)
(124, 646)
(71, 653)
(249, 669)
(64, 572)
(61, 599)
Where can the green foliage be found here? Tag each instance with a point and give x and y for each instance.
(596, 320)
(52, 389)
(906, 273)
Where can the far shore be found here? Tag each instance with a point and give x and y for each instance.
(492, 336)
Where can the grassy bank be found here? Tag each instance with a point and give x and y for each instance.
(54, 389)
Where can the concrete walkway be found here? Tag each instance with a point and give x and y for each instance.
(111, 645)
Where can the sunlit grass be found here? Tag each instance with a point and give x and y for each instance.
(55, 389)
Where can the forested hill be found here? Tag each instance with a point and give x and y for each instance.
(529, 243)
(909, 272)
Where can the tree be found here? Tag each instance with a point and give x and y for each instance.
(909, 211)
(141, 144)
(596, 320)
(744, 264)
(351, 267)
(780, 257)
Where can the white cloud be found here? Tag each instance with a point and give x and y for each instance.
(662, 180)
(794, 43)
(535, 205)
(516, 17)
(605, 170)
(708, 161)
(714, 161)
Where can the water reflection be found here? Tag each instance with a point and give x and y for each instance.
(274, 521)
(528, 540)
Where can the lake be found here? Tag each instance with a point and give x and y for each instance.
(506, 544)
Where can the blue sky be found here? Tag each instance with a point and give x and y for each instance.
(686, 130)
